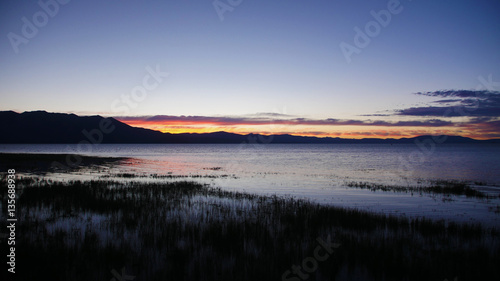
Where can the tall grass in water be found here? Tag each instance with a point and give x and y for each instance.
(436, 187)
(188, 231)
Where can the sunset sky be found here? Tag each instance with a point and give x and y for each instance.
(350, 68)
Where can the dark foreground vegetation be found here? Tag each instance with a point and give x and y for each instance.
(97, 230)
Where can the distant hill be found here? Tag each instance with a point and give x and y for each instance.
(44, 127)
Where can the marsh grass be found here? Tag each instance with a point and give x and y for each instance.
(435, 187)
(43, 163)
(189, 231)
(164, 176)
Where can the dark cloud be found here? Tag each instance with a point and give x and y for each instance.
(459, 93)
(447, 101)
(470, 103)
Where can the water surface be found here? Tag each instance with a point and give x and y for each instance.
(319, 172)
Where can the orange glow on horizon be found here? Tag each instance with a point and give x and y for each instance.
(333, 131)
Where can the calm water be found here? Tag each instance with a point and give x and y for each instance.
(317, 172)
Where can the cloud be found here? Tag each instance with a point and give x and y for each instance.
(375, 115)
(467, 103)
(270, 114)
(447, 101)
(459, 93)
(483, 127)
(481, 110)
(248, 121)
(476, 127)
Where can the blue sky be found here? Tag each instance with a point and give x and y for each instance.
(264, 56)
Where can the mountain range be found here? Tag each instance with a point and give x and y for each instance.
(44, 127)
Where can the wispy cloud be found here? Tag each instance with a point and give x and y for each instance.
(239, 121)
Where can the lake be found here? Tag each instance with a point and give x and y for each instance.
(326, 173)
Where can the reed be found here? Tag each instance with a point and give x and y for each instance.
(435, 187)
(188, 231)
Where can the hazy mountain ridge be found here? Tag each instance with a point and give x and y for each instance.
(44, 127)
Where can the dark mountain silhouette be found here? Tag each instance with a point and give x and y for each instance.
(44, 127)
